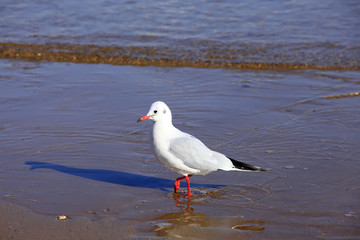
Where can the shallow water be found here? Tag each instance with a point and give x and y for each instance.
(70, 145)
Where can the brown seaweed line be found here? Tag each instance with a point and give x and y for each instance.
(93, 54)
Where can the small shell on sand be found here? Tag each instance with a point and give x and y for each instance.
(62, 218)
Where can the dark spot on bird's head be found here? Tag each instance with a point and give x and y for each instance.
(164, 111)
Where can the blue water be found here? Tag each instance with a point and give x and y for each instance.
(324, 33)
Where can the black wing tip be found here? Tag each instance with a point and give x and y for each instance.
(245, 166)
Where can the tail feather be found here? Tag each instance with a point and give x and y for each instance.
(245, 166)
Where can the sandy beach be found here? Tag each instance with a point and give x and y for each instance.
(70, 145)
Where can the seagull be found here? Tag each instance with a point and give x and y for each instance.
(184, 153)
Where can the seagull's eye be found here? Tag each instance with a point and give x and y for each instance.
(155, 111)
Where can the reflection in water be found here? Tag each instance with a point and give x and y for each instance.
(178, 202)
(188, 223)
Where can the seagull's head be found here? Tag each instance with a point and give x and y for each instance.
(159, 111)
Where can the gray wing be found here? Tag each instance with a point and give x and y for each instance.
(193, 153)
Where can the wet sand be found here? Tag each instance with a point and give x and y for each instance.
(70, 145)
(21, 223)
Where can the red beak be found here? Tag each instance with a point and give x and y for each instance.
(144, 118)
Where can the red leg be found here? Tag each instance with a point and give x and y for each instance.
(188, 185)
(177, 184)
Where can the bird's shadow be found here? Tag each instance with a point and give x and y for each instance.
(115, 177)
